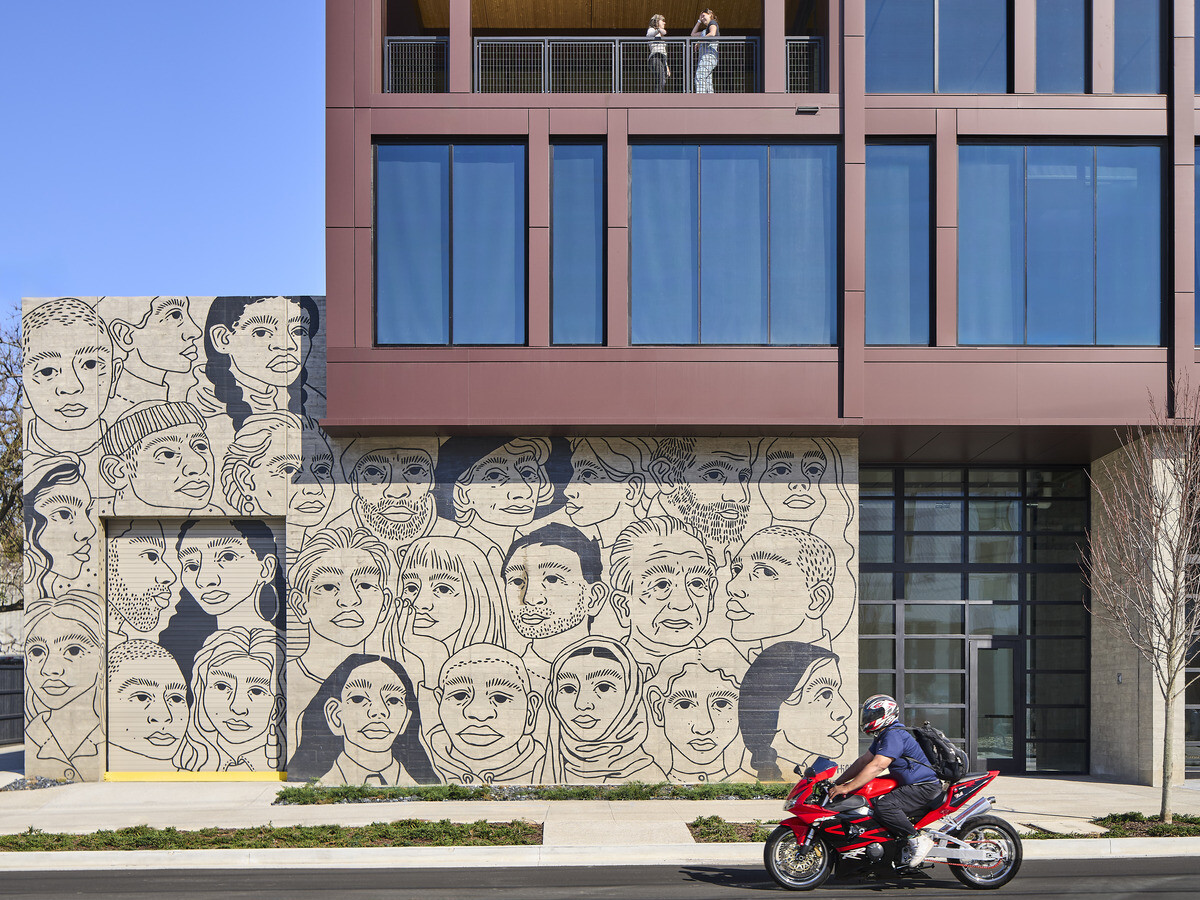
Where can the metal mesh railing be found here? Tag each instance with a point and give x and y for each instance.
(612, 65)
(415, 65)
(805, 65)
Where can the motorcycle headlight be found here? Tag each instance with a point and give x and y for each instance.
(790, 803)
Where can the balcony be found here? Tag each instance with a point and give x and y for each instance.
(415, 65)
(610, 65)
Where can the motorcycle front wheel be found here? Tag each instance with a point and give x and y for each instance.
(795, 867)
(988, 832)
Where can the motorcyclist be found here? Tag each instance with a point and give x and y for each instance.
(897, 751)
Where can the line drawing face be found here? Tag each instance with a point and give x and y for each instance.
(552, 582)
(142, 581)
(791, 481)
(705, 483)
(224, 573)
(780, 562)
(665, 580)
(372, 710)
(812, 720)
(160, 455)
(147, 704)
(340, 587)
(69, 372)
(59, 527)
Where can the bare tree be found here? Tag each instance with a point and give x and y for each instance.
(11, 512)
(1141, 567)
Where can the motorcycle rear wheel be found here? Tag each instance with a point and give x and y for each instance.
(794, 867)
(989, 831)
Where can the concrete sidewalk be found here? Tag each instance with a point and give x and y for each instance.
(575, 832)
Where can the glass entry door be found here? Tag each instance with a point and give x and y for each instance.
(996, 711)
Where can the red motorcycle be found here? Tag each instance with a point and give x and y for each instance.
(981, 850)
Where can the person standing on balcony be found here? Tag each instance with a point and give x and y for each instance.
(658, 52)
(706, 26)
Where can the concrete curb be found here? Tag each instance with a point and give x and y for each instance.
(747, 854)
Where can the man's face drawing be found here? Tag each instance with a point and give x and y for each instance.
(438, 598)
(699, 714)
(592, 496)
(371, 711)
(813, 718)
(503, 488)
(67, 535)
(239, 697)
(545, 590)
(147, 707)
(712, 494)
(141, 579)
(169, 469)
(68, 374)
(346, 598)
(167, 340)
(768, 589)
(791, 483)
(223, 572)
(393, 486)
(62, 663)
(672, 589)
(484, 708)
(268, 343)
(589, 694)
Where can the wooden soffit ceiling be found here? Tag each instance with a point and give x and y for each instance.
(600, 15)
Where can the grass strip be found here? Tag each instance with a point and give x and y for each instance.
(404, 833)
(715, 830)
(310, 794)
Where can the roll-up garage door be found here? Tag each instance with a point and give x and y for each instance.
(196, 646)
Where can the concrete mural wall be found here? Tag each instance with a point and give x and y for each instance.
(216, 585)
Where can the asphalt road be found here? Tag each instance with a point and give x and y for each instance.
(1161, 879)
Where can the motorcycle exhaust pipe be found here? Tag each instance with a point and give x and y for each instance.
(977, 807)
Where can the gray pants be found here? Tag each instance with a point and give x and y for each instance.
(893, 809)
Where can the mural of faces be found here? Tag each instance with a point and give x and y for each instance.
(467, 609)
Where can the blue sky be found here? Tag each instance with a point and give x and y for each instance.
(161, 148)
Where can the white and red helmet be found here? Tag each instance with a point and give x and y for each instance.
(878, 712)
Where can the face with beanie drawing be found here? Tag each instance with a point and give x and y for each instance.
(159, 454)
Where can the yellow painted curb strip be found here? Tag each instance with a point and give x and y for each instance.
(195, 776)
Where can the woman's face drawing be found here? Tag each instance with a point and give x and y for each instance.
(791, 482)
(62, 663)
(268, 343)
(67, 535)
(239, 697)
(589, 693)
(371, 711)
(438, 598)
(502, 489)
(223, 572)
(592, 496)
(813, 719)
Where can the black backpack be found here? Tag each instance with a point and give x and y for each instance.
(945, 758)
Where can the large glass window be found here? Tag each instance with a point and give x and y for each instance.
(733, 244)
(450, 244)
(1060, 244)
(970, 37)
(898, 244)
(577, 244)
(1139, 37)
(972, 611)
(1062, 46)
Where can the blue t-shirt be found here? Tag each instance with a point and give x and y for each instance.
(896, 741)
